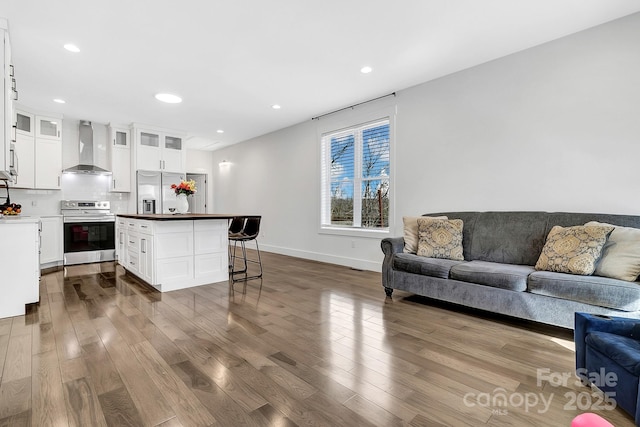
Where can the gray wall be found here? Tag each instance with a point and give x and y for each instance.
(555, 128)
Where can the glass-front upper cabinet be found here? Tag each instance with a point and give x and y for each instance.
(149, 139)
(120, 138)
(25, 123)
(48, 127)
(172, 142)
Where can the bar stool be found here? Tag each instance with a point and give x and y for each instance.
(235, 227)
(249, 233)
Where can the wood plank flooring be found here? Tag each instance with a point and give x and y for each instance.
(310, 344)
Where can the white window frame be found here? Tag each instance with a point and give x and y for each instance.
(351, 121)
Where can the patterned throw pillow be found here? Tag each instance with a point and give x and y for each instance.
(573, 250)
(440, 238)
(411, 232)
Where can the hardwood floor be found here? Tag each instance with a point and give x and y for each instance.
(310, 344)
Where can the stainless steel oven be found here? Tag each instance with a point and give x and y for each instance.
(89, 231)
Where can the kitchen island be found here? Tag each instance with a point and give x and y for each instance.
(172, 252)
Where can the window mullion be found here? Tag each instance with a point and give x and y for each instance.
(357, 179)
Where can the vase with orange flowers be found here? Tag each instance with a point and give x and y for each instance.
(182, 190)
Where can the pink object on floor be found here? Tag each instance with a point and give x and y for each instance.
(590, 420)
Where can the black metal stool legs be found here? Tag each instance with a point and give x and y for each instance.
(249, 233)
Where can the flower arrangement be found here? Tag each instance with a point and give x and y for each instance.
(185, 187)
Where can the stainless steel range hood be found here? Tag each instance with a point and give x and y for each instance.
(87, 163)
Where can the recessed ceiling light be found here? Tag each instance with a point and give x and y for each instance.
(59, 101)
(72, 48)
(366, 70)
(220, 131)
(276, 107)
(168, 98)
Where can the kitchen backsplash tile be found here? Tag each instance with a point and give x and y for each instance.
(75, 187)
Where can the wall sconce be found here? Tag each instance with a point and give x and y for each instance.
(224, 163)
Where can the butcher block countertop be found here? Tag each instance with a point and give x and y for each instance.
(177, 217)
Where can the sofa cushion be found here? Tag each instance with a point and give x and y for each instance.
(440, 238)
(497, 275)
(621, 254)
(623, 350)
(410, 232)
(595, 290)
(506, 237)
(426, 266)
(573, 250)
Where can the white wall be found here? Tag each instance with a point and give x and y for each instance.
(552, 128)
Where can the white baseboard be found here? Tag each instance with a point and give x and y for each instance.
(359, 264)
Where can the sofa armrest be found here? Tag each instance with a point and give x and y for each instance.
(390, 246)
(587, 323)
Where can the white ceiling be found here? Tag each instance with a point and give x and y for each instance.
(231, 60)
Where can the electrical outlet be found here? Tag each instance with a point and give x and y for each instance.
(34, 203)
(353, 244)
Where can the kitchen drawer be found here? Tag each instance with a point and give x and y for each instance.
(132, 262)
(145, 227)
(133, 242)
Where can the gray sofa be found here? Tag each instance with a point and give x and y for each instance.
(498, 275)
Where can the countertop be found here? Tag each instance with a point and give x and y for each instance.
(177, 217)
(16, 219)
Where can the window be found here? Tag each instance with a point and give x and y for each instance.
(355, 177)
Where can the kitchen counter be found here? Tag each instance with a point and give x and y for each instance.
(14, 219)
(176, 217)
(172, 252)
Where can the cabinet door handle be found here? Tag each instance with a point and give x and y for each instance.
(114, 184)
(143, 246)
(12, 70)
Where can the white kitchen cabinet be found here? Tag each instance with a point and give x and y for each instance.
(25, 123)
(20, 266)
(25, 152)
(9, 94)
(38, 159)
(121, 241)
(50, 240)
(120, 153)
(146, 249)
(49, 128)
(211, 258)
(176, 254)
(157, 150)
(48, 163)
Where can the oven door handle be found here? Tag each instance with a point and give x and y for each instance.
(81, 219)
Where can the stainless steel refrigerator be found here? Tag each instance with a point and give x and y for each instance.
(154, 190)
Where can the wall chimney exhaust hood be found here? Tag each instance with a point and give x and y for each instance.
(87, 163)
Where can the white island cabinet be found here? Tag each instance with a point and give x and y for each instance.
(19, 264)
(174, 252)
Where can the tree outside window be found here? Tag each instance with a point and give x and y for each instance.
(356, 174)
